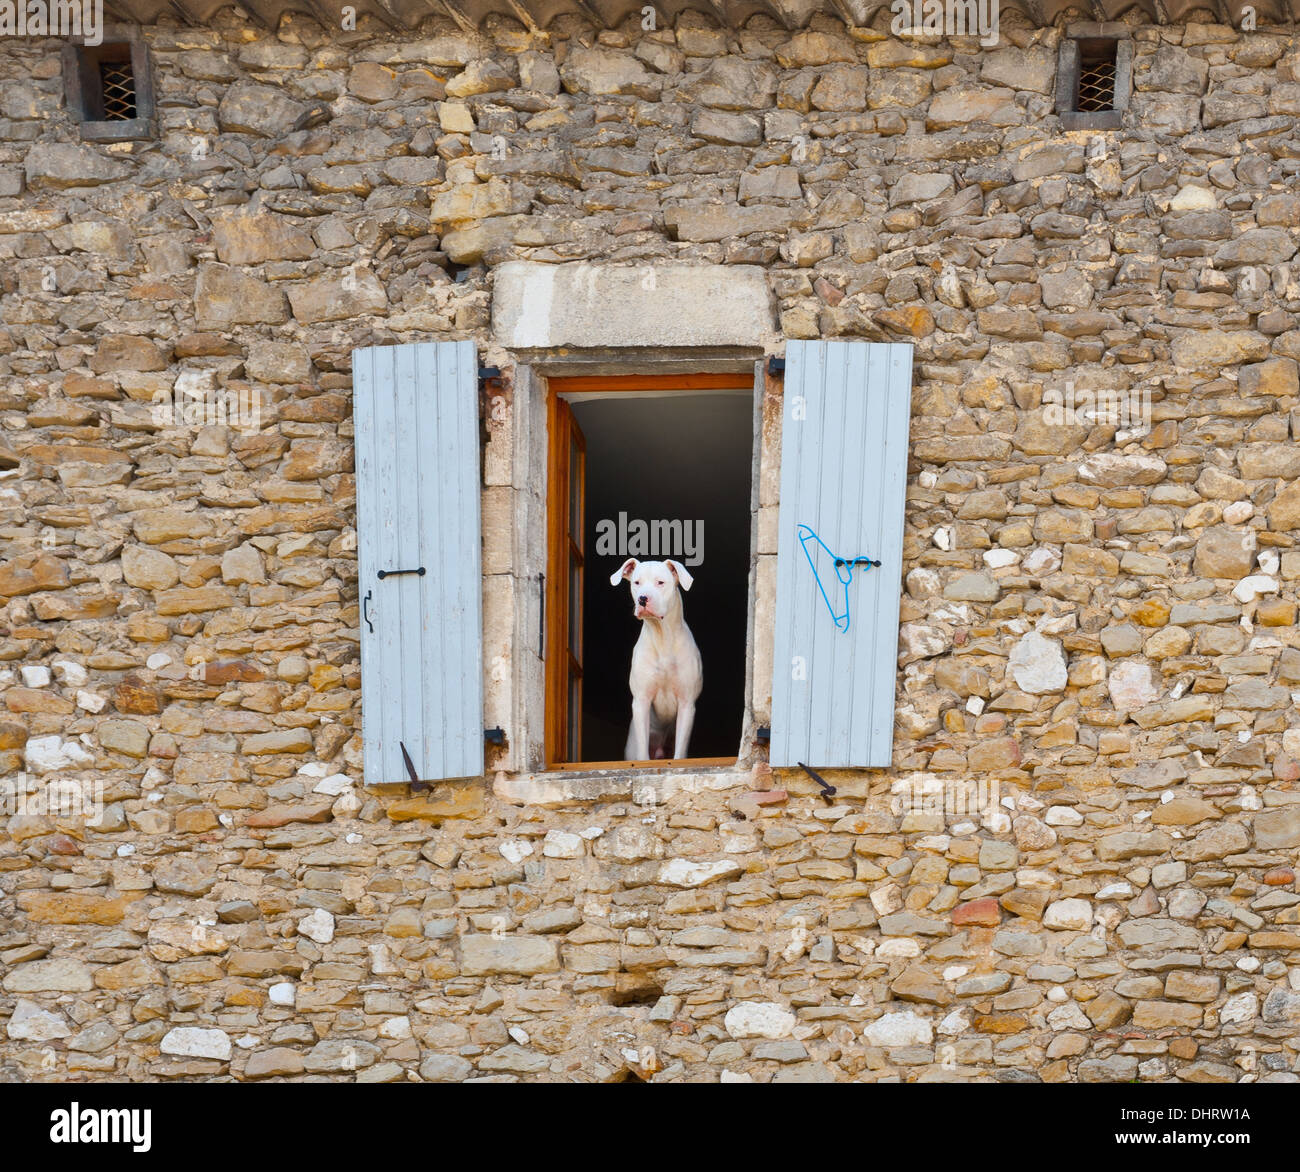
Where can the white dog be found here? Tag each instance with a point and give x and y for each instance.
(667, 674)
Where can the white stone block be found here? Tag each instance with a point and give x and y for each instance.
(318, 926)
(544, 306)
(759, 1019)
(899, 1029)
(192, 1042)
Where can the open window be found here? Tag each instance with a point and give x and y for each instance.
(631, 463)
(651, 467)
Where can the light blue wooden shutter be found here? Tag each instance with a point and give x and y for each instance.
(843, 474)
(415, 410)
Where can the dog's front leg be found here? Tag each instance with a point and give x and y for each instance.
(685, 719)
(638, 741)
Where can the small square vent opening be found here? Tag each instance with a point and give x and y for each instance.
(1094, 77)
(1097, 63)
(117, 90)
(109, 89)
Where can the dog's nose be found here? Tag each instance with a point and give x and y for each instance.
(641, 599)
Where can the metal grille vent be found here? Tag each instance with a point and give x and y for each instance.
(1097, 83)
(117, 84)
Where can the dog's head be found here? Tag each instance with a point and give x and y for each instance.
(654, 586)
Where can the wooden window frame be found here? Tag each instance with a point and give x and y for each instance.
(558, 551)
(562, 549)
(82, 86)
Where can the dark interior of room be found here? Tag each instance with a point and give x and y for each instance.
(685, 456)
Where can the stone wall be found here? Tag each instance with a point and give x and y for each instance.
(1098, 625)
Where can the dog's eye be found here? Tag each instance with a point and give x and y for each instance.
(660, 582)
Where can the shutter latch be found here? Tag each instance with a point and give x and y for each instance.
(393, 573)
(416, 783)
(828, 790)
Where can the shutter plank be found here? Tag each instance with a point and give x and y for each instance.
(825, 454)
(462, 601)
(462, 539)
(790, 697)
(416, 417)
(897, 378)
(843, 473)
(855, 506)
(433, 637)
(871, 729)
(405, 593)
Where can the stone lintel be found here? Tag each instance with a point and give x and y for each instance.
(541, 307)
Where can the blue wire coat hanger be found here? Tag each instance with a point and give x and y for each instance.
(843, 571)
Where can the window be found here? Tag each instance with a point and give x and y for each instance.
(1094, 77)
(651, 467)
(109, 88)
(484, 603)
(567, 564)
(117, 90)
(1095, 91)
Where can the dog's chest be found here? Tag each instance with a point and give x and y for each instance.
(665, 672)
(657, 676)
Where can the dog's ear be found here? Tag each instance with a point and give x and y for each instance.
(626, 570)
(681, 573)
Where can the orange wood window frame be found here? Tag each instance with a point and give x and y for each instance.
(561, 547)
(565, 556)
(659, 764)
(650, 382)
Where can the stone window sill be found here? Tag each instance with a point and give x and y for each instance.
(127, 130)
(1101, 120)
(647, 786)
